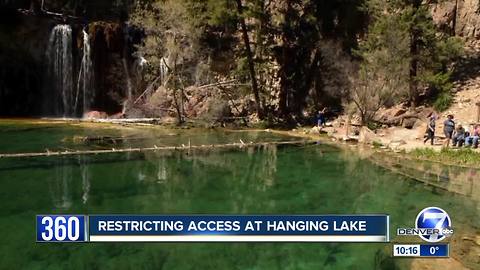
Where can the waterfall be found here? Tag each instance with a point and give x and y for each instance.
(126, 70)
(85, 85)
(60, 70)
(128, 94)
(164, 70)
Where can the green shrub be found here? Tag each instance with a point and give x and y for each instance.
(463, 156)
(377, 144)
(373, 125)
(443, 101)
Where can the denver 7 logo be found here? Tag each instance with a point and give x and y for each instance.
(434, 218)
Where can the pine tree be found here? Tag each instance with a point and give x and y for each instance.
(250, 60)
(429, 52)
(383, 75)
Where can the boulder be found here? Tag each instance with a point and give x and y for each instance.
(418, 124)
(336, 123)
(119, 115)
(350, 139)
(385, 115)
(398, 112)
(409, 122)
(331, 132)
(317, 130)
(395, 144)
(421, 130)
(314, 130)
(355, 130)
(95, 115)
(426, 113)
(367, 136)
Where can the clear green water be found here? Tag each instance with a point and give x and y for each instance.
(314, 179)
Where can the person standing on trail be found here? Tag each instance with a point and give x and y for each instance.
(431, 129)
(448, 128)
(321, 120)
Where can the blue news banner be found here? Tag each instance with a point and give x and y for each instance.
(208, 228)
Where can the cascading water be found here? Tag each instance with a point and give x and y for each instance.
(128, 94)
(164, 70)
(60, 92)
(126, 70)
(85, 85)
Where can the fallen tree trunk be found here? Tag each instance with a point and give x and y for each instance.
(229, 82)
(189, 147)
(398, 120)
(149, 89)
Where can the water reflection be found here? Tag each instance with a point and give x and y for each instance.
(60, 185)
(454, 179)
(67, 171)
(269, 165)
(84, 172)
(392, 189)
(254, 180)
(162, 170)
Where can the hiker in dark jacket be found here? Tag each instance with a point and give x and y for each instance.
(430, 130)
(448, 128)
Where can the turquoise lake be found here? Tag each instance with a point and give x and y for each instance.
(304, 179)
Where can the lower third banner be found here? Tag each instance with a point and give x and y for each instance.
(209, 228)
(244, 228)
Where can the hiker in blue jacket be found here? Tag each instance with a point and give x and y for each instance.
(448, 128)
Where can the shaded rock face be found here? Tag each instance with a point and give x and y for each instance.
(107, 51)
(23, 44)
(90, 9)
(459, 17)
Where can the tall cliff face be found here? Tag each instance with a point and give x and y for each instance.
(23, 44)
(459, 17)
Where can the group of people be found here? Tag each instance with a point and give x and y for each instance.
(457, 134)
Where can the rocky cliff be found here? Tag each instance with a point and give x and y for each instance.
(459, 17)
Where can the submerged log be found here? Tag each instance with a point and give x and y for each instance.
(99, 139)
(189, 147)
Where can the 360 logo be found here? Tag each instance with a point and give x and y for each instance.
(437, 220)
(61, 228)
